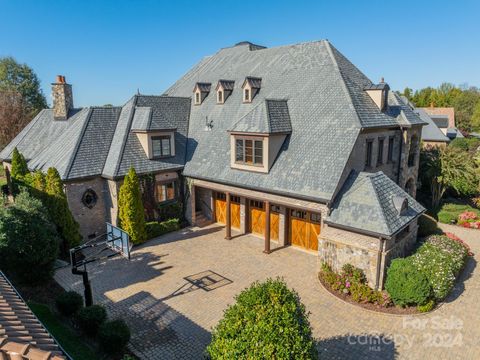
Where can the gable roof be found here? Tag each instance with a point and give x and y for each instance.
(226, 84)
(268, 117)
(327, 109)
(430, 132)
(367, 202)
(99, 140)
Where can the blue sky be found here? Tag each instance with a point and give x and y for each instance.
(108, 49)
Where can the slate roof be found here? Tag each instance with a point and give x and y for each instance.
(22, 336)
(367, 201)
(204, 87)
(254, 82)
(430, 132)
(98, 140)
(327, 107)
(268, 117)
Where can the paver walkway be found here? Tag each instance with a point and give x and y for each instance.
(171, 312)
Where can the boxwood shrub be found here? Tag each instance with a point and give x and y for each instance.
(113, 336)
(406, 285)
(267, 321)
(155, 229)
(90, 318)
(69, 303)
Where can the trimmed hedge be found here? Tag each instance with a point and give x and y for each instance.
(69, 303)
(406, 285)
(90, 318)
(268, 321)
(440, 259)
(113, 336)
(427, 226)
(155, 229)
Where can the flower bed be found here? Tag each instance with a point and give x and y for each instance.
(469, 219)
(351, 284)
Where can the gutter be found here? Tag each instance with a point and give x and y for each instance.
(361, 231)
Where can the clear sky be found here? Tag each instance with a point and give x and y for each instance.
(109, 49)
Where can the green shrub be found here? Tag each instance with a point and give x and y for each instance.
(113, 336)
(170, 211)
(69, 303)
(28, 240)
(19, 165)
(427, 226)
(440, 259)
(406, 285)
(90, 318)
(131, 213)
(155, 229)
(427, 307)
(267, 321)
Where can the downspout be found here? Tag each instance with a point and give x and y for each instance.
(400, 157)
(379, 262)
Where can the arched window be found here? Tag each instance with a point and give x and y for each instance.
(89, 198)
(413, 150)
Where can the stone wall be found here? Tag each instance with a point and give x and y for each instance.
(91, 221)
(410, 172)
(373, 255)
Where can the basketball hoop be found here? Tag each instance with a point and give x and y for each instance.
(114, 242)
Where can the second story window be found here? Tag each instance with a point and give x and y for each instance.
(390, 149)
(248, 151)
(368, 154)
(412, 152)
(380, 152)
(161, 146)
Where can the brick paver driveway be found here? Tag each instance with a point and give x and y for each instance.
(171, 310)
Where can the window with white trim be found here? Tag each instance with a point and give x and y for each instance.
(249, 151)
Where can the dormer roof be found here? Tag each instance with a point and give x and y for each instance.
(203, 87)
(380, 86)
(226, 84)
(254, 82)
(269, 117)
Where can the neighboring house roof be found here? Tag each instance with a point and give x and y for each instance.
(268, 117)
(440, 120)
(454, 133)
(327, 107)
(22, 336)
(98, 141)
(430, 132)
(369, 201)
(447, 111)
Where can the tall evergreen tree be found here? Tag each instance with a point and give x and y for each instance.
(131, 212)
(60, 213)
(19, 165)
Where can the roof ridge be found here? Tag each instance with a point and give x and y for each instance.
(77, 145)
(125, 137)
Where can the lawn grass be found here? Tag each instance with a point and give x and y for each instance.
(450, 211)
(67, 338)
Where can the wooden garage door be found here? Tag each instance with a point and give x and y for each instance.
(221, 210)
(304, 229)
(257, 219)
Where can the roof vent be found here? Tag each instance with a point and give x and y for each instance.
(401, 204)
(201, 91)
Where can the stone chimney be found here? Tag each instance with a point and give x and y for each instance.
(62, 98)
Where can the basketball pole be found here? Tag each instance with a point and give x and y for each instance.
(86, 284)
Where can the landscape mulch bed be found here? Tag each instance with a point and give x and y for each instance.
(394, 310)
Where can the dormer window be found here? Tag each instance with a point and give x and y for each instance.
(201, 91)
(379, 94)
(246, 95)
(224, 90)
(161, 146)
(249, 151)
(251, 87)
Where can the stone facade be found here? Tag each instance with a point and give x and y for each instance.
(373, 255)
(91, 220)
(409, 173)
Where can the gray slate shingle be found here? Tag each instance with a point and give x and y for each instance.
(366, 201)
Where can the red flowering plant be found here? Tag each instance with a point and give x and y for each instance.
(469, 219)
(460, 241)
